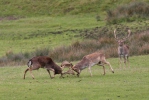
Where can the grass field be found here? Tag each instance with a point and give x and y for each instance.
(24, 34)
(29, 25)
(125, 84)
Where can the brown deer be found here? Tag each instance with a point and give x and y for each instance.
(90, 60)
(43, 62)
(123, 49)
(67, 64)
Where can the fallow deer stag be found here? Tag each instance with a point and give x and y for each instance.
(90, 60)
(123, 49)
(43, 62)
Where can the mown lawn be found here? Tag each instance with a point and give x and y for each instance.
(125, 84)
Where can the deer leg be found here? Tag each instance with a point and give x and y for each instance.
(50, 73)
(106, 62)
(31, 73)
(104, 70)
(128, 62)
(78, 74)
(89, 68)
(62, 75)
(53, 72)
(101, 64)
(25, 72)
(120, 61)
(125, 60)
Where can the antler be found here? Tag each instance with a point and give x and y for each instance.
(115, 34)
(129, 32)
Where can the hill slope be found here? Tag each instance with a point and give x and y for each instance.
(30, 25)
(25, 8)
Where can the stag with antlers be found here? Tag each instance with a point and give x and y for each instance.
(123, 49)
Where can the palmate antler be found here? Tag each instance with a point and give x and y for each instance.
(129, 32)
(115, 34)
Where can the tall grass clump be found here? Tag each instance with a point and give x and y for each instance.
(140, 43)
(75, 51)
(136, 10)
(14, 59)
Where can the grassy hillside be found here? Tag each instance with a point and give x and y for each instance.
(24, 34)
(26, 8)
(67, 30)
(27, 26)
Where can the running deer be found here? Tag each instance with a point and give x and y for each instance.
(67, 64)
(43, 62)
(123, 49)
(90, 60)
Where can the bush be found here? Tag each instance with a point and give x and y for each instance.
(127, 13)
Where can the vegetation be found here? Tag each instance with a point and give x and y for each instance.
(130, 12)
(69, 32)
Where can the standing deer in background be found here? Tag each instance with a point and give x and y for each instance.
(123, 49)
(90, 60)
(43, 62)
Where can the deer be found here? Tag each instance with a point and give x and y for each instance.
(43, 62)
(123, 49)
(96, 58)
(67, 64)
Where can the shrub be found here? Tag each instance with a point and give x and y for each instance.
(40, 52)
(144, 49)
(128, 13)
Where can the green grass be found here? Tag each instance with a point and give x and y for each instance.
(125, 84)
(33, 29)
(24, 34)
(28, 34)
(37, 20)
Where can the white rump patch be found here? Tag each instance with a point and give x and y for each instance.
(29, 64)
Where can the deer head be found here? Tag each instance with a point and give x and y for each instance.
(121, 41)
